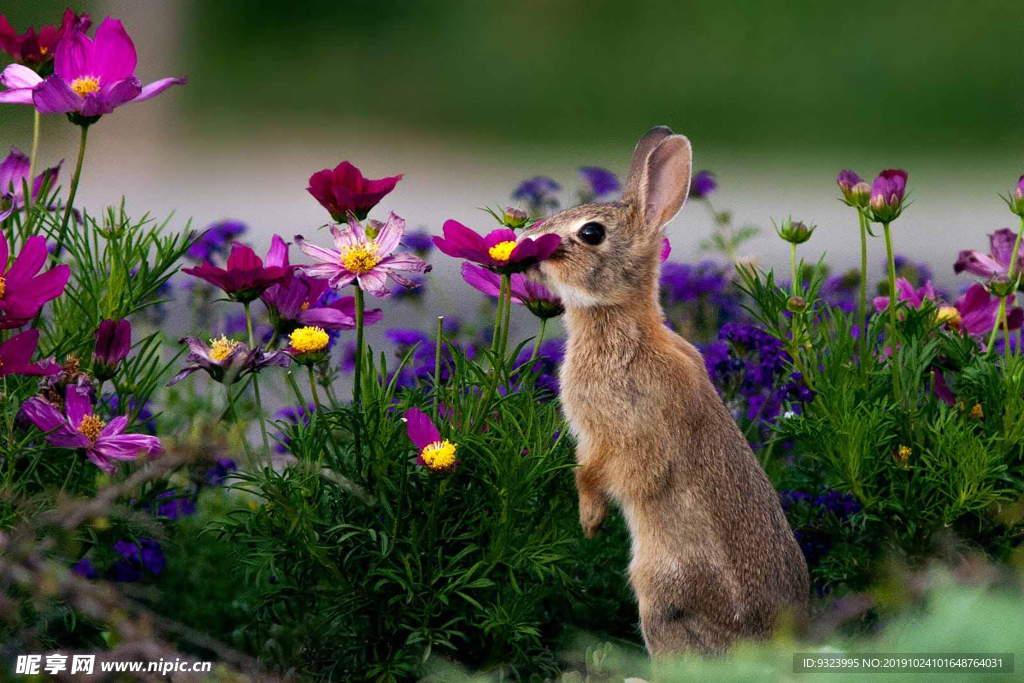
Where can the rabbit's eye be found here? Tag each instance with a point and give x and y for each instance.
(592, 233)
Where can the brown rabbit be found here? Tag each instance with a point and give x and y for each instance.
(714, 559)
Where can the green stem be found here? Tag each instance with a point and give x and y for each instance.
(1006, 337)
(501, 334)
(72, 192)
(234, 421)
(437, 365)
(312, 387)
(507, 281)
(256, 383)
(295, 389)
(862, 311)
(357, 379)
(794, 288)
(540, 338)
(32, 160)
(1000, 314)
(497, 317)
(893, 341)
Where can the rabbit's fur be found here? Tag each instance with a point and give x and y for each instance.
(714, 559)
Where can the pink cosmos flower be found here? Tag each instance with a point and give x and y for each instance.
(80, 428)
(360, 258)
(13, 177)
(344, 190)
(16, 356)
(996, 261)
(246, 277)
(436, 454)
(91, 77)
(906, 292)
(978, 310)
(499, 250)
(22, 291)
(541, 302)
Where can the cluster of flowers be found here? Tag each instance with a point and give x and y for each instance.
(814, 540)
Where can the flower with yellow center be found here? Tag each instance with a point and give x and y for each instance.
(221, 348)
(903, 454)
(360, 258)
(502, 250)
(83, 85)
(439, 456)
(91, 426)
(976, 412)
(950, 316)
(309, 339)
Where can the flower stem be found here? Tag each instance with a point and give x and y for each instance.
(312, 387)
(893, 342)
(256, 383)
(1006, 337)
(437, 365)
(234, 420)
(357, 378)
(497, 317)
(72, 192)
(794, 289)
(32, 160)
(862, 311)
(1000, 315)
(540, 338)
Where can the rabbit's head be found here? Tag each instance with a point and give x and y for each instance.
(610, 252)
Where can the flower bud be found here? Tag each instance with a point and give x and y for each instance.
(855, 191)
(113, 341)
(796, 304)
(1016, 201)
(515, 218)
(887, 193)
(795, 232)
(1001, 286)
(373, 228)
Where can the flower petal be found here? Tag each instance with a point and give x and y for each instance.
(390, 235)
(113, 54)
(55, 96)
(420, 429)
(156, 87)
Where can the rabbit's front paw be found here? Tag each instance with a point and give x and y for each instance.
(592, 513)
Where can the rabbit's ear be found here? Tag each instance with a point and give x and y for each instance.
(666, 181)
(638, 166)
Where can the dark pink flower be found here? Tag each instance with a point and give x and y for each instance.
(666, 249)
(37, 49)
(22, 291)
(79, 428)
(362, 258)
(435, 453)
(887, 194)
(534, 296)
(996, 262)
(978, 310)
(344, 190)
(113, 341)
(16, 356)
(91, 77)
(245, 277)
(499, 250)
(906, 292)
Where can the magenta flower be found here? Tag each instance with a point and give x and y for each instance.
(245, 277)
(344, 190)
(79, 428)
(113, 342)
(226, 360)
(303, 301)
(534, 296)
(13, 176)
(436, 454)
(498, 250)
(996, 262)
(978, 310)
(16, 356)
(37, 49)
(887, 195)
(358, 257)
(22, 291)
(91, 77)
(855, 191)
(906, 292)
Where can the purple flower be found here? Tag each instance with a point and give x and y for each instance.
(215, 240)
(906, 292)
(35, 49)
(602, 181)
(220, 471)
(79, 428)
(703, 185)
(113, 341)
(84, 569)
(13, 176)
(22, 291)
(245, 277)
(344, 190)
(407, 336)
(978, 310)
(435, 454)
(534, 296)
(144, 555)
(887, 195)
(16, 356)
(172, 505)
(498, 250)
(420, 242)
(144, 416)
(539, 192)
(996, 262)
(225, 360)
(90, 77)
(358, 257)
(293, 415)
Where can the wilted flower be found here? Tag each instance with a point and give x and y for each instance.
(855, 191)
(996, 262)
(435, 454)
(539, 192)
(91, 77)
(602, 181)
(22, 291)
(344, 190)
(245, 277)
(215, 240)
(541, 302)
(367, 260)
(703, 185)
(795, 232)
(225, 360)
(113, 341)
(498, 250)
(13, 176)
(35, 49)
(887, 192)
(16, 356)
(79, 428)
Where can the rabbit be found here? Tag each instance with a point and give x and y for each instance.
(713, 557)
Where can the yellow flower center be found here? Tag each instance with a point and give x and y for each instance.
(85, 85)
(360, 258)
(304, 306)
(309, 339)
(91, 427)
(439, 455)
(976, 412)
(502, 250)
(950, 316)
(221, 348)
(3, 286)
(904, 453)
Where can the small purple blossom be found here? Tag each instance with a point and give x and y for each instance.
(539, 192)
(141, 556)
(703, 185)
(602, 182)
(216, 239)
